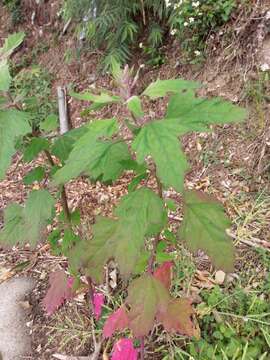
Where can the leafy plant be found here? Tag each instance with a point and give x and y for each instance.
(118, 27)
(193, 21)
(32, 87)
(15, 8)
(132, 235)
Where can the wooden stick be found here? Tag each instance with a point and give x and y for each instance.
(63, 112)
(64, 127)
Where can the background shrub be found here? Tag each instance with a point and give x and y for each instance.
(119, 26)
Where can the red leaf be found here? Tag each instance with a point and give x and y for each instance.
(163, 274)
(116, 321)
(98, 303)
(124, 350)
(58, 292)
(177, 317)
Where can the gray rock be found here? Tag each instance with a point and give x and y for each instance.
(15, 341)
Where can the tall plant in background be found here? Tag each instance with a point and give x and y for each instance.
(119, 27)
(132, 236)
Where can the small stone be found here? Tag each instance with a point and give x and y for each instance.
(25, 305)
(220, 277)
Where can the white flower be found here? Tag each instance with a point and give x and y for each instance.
(141, 45)
(173, 32)
(196, 4)
(167, 3)
(185, 23)
(265, 67)
(197, 52)
(191, 20)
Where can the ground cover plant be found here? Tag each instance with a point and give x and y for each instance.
(120, 27)
(136, 236)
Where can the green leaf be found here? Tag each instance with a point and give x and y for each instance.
(64, 144)
(133, 165)
(13, 123)
(24, 225)
(204, 227)
(5, 78)
(171, 204)
(98, 100)
(140, 214)
(87, 150)
(36, 174)
(11, 43)
(69, 241)
(161, 254)
(144, 206)
(135, 106)
(160, 88)
(53, 240)
(170, 236)
(196, 114)
(142, 263)
(35, 146)
(159, 139)
(109, 166)
(136, 181)
(50, 123)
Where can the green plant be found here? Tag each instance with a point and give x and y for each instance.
(15, 8)
(33, 87)
(136, 236)
(119, 27)
(193, 21)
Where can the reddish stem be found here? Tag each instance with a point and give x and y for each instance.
(150, 267)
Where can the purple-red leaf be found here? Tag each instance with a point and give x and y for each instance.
(178, 318)
(124, 350)
(146, 296)
(150, 300)
(164, 274)
(70, 282)
(116, 321)
(98, 303)
(58, 292)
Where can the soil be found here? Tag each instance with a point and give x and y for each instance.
(230, 163)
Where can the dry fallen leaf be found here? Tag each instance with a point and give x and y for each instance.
(5, 274)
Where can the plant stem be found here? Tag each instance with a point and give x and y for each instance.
(63, 190)
(150, 267)
(90, 292)
(142, 348)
